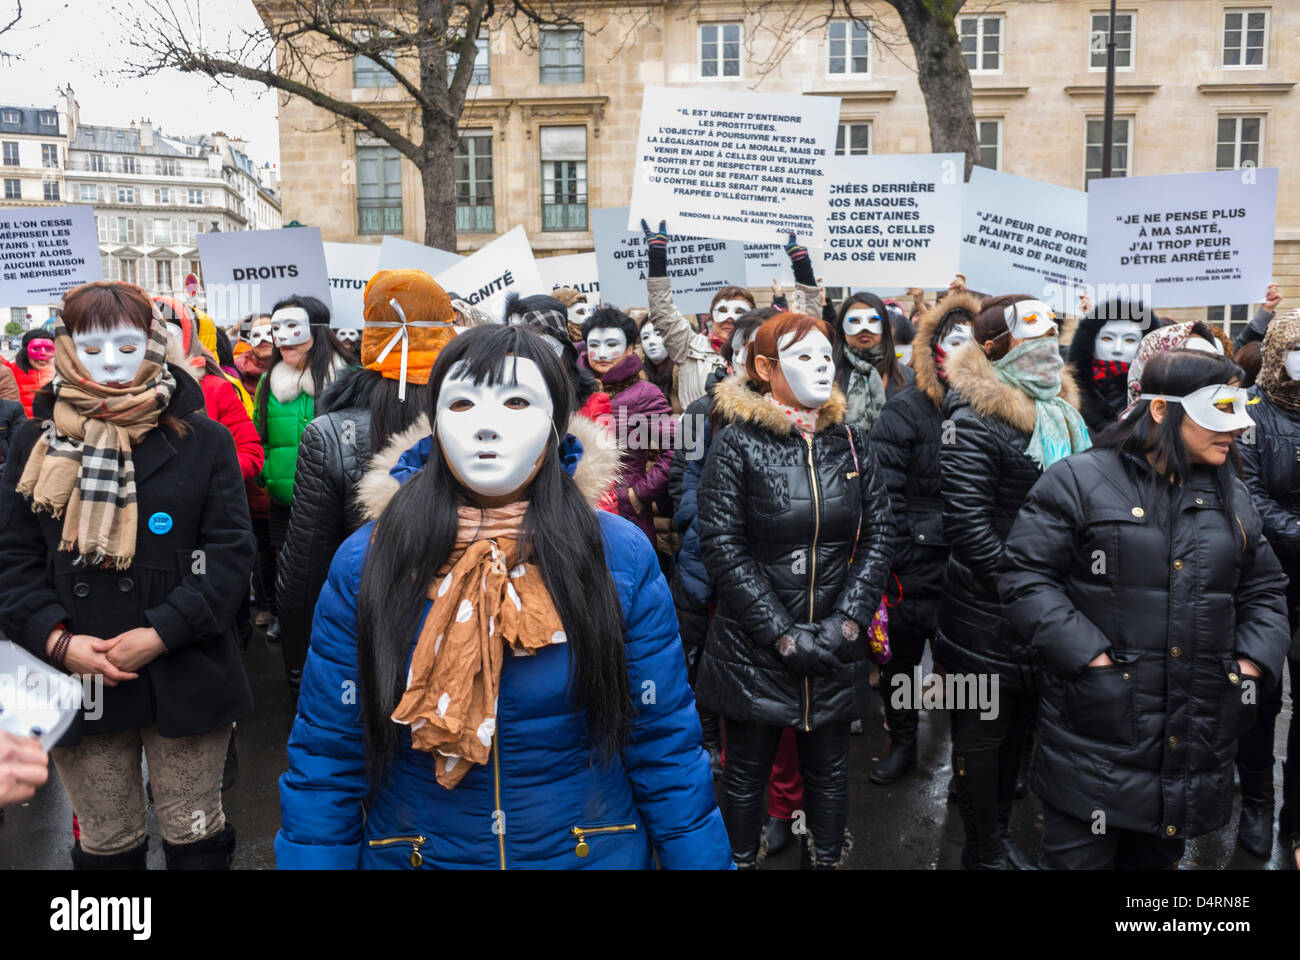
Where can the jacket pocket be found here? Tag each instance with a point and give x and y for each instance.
(409, 843)
(1239, 702)
(1100, 703)
(583, 836)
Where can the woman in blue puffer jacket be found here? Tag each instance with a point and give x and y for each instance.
(421, 741)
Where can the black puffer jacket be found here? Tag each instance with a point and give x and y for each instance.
(777, 523)
(191, 567)
(1272, 474)
(906, 440)
(1103, 558)
(986, 476)
(12, 416)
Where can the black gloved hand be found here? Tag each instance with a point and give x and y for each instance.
(802, 650)
(837, 633)
(657, 248)
(800, 262)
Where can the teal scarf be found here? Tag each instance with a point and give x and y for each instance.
(1034, 368)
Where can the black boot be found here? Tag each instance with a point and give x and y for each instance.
(231, 769)
(777, 834)
(211, 853)
(134, 859)
(976, 775)
(902, 748)
(834, 859)
(1255, 831)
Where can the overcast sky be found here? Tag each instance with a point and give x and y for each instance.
(82, 42)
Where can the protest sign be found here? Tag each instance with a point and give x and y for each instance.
(893, 221)
(487, 275)
(351, 265)
(699, 268)
(765, 262)
(576, 270)
(733, 165)
(247, 271)
(398, 254)
(1024, 236)
(1190, 239)
(45, 252)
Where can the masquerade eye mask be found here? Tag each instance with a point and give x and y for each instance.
(1219, 408)
(862, 320)
(1027, 319)
(40, 349)
(348, 334)
(259, 335)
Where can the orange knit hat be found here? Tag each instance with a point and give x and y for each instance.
(423, 319)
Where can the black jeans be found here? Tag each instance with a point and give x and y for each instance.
(1071, 844)
(906, 646)
(986, 759)
(264, 568)
(823, 762)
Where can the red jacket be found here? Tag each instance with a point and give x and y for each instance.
(29, 381)
(224, 407)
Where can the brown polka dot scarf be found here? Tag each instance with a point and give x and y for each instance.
(484, 601)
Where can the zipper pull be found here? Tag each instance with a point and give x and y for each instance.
(583, 848)
(417, 860)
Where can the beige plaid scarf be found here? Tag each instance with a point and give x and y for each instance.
(81, 468)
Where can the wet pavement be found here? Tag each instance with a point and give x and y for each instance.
(907, 825)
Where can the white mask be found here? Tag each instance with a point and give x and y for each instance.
(1118, 340)
(175, 334)
(729, 310)
(259, 334)
(493, 436)
(1218, 408)
(1291, 363)
(579, 312)
(111, 356)
(809, 368)
(739, 351)
(653, 344)
(861, 319)
(958, 335)
(1028, 319)
(290, 326)
(348, 334)
(904, 353)
(605, 344)
(1205, 346)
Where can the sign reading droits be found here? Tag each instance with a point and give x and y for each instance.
(247, 271)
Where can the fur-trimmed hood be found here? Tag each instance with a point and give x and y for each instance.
(923, 360)
(974, 377)
(736, 402)
(288, 383)
(598, 468)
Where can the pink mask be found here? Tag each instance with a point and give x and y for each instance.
(40, 349)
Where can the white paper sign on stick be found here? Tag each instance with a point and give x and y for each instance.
(1184, 239)
(893, 221)
(351, 265)
(699, 268)
(734, 165)
(575, 270)
(45, 252)
(1024, 236)
(247, 271)
(398, 254)
(485, 277)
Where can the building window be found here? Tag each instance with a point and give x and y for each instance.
(1099, 37)
(482, 72)
(562, 56)
(368, 72)
(88, 193)
(1119, 153)
(1238, 142)
(981, 43)
(564, 178)
(49, 154)
(129, 271)
(96, 163)
(126, 229)
(49, 119)
(848, 49)
(10, 148)
(853, 139)
(51, 189)
(196, 197)
(130, 165)
(162, 231)
(126, 194)
(1245, 38)
(11, 116)
(1230, 317)
(162, 195)
(379, 190)
(13, 189)
(169, 168)
(474, 210)
(196, 268)
(990, 137)
(162, 275)
(18, 315)
(719, 50)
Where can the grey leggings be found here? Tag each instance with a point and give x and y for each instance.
(101, 776)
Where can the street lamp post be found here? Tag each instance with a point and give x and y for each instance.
(1108, 123)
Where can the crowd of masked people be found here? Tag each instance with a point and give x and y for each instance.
(580, 586)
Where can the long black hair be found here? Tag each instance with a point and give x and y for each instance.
(417, 530)
(325, 346)
(888, 365)
(22, 360)
(1175, 373)
(372, 391)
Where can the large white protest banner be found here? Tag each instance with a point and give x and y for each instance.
(398, 254)
(894, 221)
(575, 270)
(1024, 236)
(350, 265)
(485, 277)
(733, 165)
(699, 268)
(247, 271)
(1184, 239)
(45, 252)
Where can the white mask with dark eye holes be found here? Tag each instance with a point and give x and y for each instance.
(861, 319)
(259, 334)
(111, 356)
(579, 312)
(653, 344)
(349, 335)
(729, 310)
(809, 368)
(739, 351)
(959, 334)
(290, 326)
(1291, 363)
(606, 344)
(1117, 341)
(493, 437)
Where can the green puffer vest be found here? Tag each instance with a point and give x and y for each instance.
(285, 423)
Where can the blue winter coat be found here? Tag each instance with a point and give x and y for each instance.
(545, 798)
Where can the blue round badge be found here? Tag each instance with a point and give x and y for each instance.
(160, 523)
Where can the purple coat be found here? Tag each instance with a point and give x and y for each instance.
(645, 430)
